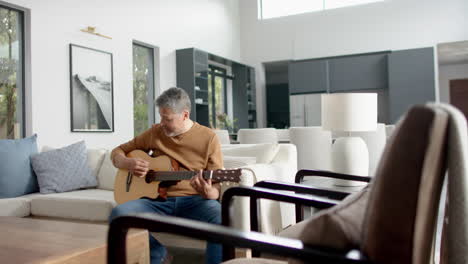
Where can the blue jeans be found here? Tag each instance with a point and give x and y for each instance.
(192, 207)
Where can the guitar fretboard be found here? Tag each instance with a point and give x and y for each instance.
(172, 175)
(187, 175)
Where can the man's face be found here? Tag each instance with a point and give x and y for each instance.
(172, 123)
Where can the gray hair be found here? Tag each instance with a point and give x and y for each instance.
(175, 99)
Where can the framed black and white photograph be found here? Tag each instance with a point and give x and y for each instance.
(91, 90)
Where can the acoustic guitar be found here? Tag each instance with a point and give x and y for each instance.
(164, 172)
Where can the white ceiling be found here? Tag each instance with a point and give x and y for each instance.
(453, 53)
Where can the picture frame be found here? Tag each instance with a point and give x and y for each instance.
(91, 90)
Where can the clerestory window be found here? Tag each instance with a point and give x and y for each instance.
(279, 8)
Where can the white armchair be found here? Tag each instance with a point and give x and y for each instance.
(313, 147)
(281, 166)
(283, 135)
(257, 135)
(223, 136)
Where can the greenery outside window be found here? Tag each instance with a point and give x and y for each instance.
(11, 73)
(217, 90)
(144, 58)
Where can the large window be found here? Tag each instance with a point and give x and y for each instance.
(11, 74)
(217, 93)
(144, 86)
(278, 8)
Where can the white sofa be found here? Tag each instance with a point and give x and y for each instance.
(96, 204)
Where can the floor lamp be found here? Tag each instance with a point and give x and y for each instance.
(349, 112)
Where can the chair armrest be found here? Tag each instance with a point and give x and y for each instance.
(302, 173)
(256, 193)
(118, 229)
(328, 174)
(303, 189)
(300, 188)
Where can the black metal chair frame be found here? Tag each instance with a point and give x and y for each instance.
(318, 203)
(286, 247)
(231, 238)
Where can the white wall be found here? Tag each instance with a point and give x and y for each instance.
(389, 25)
(210, 25)
(447, 73)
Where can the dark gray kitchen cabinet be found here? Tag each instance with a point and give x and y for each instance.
(358, 72)
(308, 77)
(411, 78)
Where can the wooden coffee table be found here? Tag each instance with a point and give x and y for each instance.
(25, 240)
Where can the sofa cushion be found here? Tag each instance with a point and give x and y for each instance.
(107, 173)
(95, 159)
(17, 207)
(338, 227)
(264, 153)
(231, 162)
(16, 175)
(63, 169)
(91, 205)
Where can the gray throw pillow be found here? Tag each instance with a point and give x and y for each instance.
(64, 169)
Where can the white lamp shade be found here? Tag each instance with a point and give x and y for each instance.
(349, 111)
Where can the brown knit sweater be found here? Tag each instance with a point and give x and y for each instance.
(196, 149)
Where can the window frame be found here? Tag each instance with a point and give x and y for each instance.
(25, 69)
(156, 90)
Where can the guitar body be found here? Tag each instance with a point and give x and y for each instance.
(163, 172)
(139, 187)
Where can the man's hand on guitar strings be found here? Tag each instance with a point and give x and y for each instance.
(138, 167)
(204, 187)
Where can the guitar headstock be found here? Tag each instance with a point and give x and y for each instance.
(230, 175)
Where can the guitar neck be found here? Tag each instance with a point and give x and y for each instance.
(175, 175)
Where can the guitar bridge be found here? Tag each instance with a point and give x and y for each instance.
(129, 181)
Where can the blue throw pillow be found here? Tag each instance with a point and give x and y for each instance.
(62, 170)
(16, 175)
